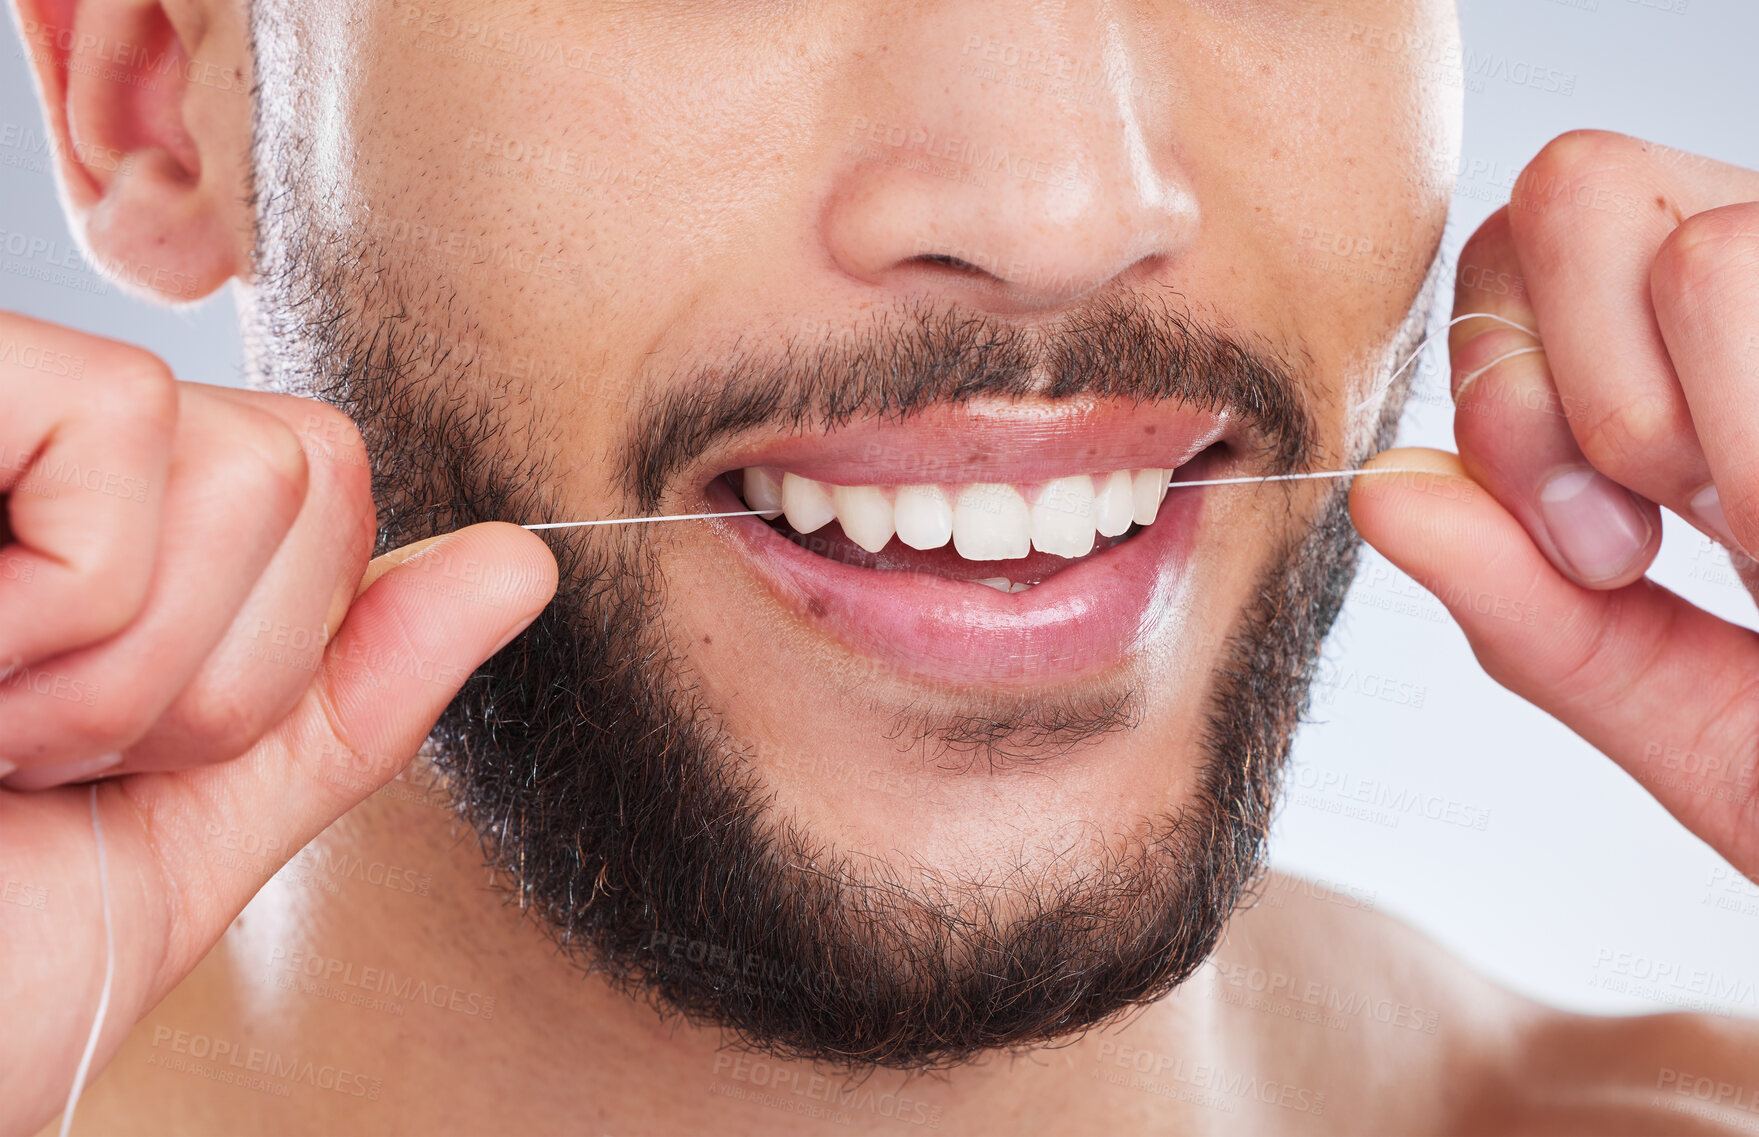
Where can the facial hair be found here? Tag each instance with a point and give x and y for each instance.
(617, 809)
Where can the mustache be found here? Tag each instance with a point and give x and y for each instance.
(1128, 346)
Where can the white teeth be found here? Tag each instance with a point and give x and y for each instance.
(1002, 584)
(1114, 505)
(991, 523)
(985, 521)
(763, 491)
(924, 516)
(1062, 517)
(1148, 487)
(865, 514)
(807, 503)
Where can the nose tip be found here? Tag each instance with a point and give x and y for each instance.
(1004, 231)
(1021, 185)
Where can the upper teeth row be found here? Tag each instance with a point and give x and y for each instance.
(986, 521)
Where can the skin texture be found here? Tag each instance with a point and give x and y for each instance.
(588, 230)
(748, 241)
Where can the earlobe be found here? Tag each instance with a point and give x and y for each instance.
(149, 103)
(153, 231)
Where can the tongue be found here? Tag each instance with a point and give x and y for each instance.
(944, 561)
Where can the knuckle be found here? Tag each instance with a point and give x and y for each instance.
(118, 715)
(1499, 352)
(348, 470)
(1597, 668)
(333, 437)
(1622, 442)
(1580, 153)
(265, 461)
(111, 595)
(1488, 288)
(1575, 172)
(1704, 251)
(224, 724)
(111, 581)
(329, 427)
(139, 385)
(107, 604)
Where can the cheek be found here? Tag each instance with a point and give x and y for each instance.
(1326, 144)
(1361, 187)
(1379, 150)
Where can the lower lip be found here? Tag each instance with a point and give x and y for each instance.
(1085, 618)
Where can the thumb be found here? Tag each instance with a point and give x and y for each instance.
(1638, 672)
(408, 643)
(426, 617)
(1452, 537)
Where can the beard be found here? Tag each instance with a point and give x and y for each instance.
(614, 805)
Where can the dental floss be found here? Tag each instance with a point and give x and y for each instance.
(85, 1060)
(1472, 377)
(634, 520)
(1173, 486)
(1302, 477)
(1378, 391)
(1430, 338)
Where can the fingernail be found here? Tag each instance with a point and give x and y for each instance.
(1594, 522)
(48, 777)
(508, 638)
(1706, 506)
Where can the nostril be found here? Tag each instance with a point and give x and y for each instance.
(946, 260)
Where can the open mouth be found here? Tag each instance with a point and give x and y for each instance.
(1002, 536)
(1028, 552)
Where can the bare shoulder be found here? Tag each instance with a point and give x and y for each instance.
(1401, 1035)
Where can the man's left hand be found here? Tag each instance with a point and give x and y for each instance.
(1638, 266)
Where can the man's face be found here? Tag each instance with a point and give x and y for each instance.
(970, 261)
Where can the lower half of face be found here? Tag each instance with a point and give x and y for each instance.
(895, 772)
(977, 667)
(965, 732)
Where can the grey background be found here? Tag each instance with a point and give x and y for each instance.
(1420, 788)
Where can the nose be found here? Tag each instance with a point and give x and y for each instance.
(1006, 156)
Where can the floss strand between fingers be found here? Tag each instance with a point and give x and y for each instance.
(1240, 481)
(1379, 390)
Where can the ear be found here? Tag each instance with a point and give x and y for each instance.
(149, 104)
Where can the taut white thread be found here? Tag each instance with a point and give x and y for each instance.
(1378, 391)
(638, 520)
(1175, 485)
(85, 1060)
(1302, 477)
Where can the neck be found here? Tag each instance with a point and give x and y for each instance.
(385, 949)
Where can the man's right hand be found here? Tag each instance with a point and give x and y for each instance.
(182, 614)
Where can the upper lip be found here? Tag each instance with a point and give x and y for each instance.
(1019, 443)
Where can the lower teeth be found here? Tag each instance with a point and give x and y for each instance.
(1002, 584)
